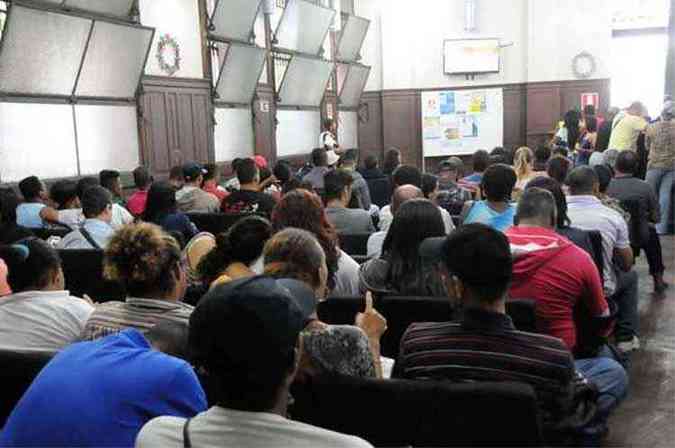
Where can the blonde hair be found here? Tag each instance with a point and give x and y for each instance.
(522, 162)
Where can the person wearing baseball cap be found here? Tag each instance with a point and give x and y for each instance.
(191, 198)
(485, 345)
(245, 336)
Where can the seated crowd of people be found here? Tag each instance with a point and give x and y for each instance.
(546, 225)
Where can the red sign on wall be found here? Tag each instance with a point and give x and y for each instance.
(590, 99)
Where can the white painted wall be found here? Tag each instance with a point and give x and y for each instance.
(180, 18)
(297, 132)
(371, 53)
(233, 134)
(348, 130)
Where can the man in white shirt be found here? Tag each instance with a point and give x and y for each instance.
(96, 231)
(401, 195)
(252, 369)
(40, 315)
(586, 212)
(327, 138)
(74, 217)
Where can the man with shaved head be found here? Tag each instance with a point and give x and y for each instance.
(401, 194)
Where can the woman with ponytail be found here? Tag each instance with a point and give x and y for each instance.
(523, 163)
(236, 251)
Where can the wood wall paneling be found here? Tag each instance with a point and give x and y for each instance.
(399, 124)
(370, 132)
(176, 122)
(264, 113)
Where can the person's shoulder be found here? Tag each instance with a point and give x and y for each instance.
(161, 431)
(324, 438)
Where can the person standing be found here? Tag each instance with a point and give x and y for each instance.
(328, 139)
(627, 127)
(661, 166)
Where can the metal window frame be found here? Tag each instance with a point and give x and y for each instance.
(222, 68)
(222, 38)
(76, 98)
(363, 87)
(342, 33)
(281, 20)
(302, 106)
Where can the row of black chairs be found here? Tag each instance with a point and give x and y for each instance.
(384, 412)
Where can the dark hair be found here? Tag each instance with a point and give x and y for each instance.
(335, 183)
(212, 171)
(429, 184)
(537, 203)
(392, 159)
(407, 175)
(591, 124)
(161, 202)
(498, 151)
(560, 151)
(350, 157)
(243, 243)
(142, 177)
(555, 188)
(604, 174)
(572, 118)
(481, 258)
(283, 172)
(627, 162)
(581, 180)
(480, 160)
(31, 187)
(95, 201)
(370, 163)
(9, 201)
(304, 210)
(589, 110)
(295, 254)
(498, 183)
(63, 192)
(143, 258)
(31, 264)
(415, 221)
(558, 167)
(247, 171)
(319, 157)
(176, 173)
(541, 155)
(84, 184)
(108, 177)
(170, 337)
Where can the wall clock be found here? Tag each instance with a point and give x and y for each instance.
(584, 65)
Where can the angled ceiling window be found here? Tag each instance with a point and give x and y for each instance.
(305, 82)
(234, 19)
(55, 54)
(240, 73)
(303, 27)
(351, 39)
(41, 52)
(116, 8)
(353, 85)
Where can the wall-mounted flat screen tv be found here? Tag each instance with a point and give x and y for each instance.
(471, 56)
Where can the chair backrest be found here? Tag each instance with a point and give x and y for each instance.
(340, 310)
(523, 312)
(354, 243)
(83, 271)
(380, 191)
(639, 222)
(421, 413)
(46, 233)
(596, 241)
(215, 223)
(17, 371)
(400, 312)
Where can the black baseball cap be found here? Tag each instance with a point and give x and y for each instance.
(192, 170)
(249, 325)
(476, 253)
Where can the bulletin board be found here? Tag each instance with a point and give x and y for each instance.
(461, 121)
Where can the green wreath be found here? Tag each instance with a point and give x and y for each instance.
(168, 43)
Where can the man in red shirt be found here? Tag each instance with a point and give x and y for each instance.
(553, 271)
(137, 201)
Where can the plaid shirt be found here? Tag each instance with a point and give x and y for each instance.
(661, 138)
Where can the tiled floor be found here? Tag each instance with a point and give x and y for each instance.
(647, 417)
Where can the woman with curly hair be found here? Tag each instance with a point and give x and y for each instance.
(147, 262)
(303, 210)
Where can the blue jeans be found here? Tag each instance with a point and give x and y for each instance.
(609, 377)
(661, 181)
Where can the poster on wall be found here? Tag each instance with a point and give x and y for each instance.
(461, 121)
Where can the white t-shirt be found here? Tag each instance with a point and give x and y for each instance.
(375, 243)
(347, 277)
(220, 427)
(44, 321)
(386, 219)
(75, 218)
(327, 139)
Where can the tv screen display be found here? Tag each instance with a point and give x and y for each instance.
(469, 56)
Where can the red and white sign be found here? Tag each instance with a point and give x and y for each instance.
(590, 99)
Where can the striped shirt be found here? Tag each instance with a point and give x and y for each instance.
(141, 314)
(486, 346)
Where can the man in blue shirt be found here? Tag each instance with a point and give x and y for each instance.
(96, 231)
(101, 393)
(33, 213)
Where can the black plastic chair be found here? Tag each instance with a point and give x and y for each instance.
(380, 191)
(83, 271)
(46, 233)
(354, 243)
(17, 371)
(639, 222)
(596, 241)
(215, 223)
(421, 413)
(523, 312)
(340, 310)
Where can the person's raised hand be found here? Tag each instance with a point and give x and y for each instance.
(370, 321)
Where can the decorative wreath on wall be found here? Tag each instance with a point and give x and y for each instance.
(168, 54)
(584, 65)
